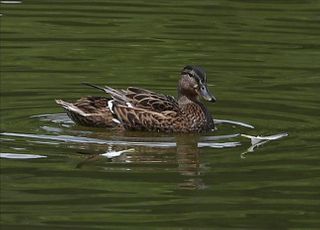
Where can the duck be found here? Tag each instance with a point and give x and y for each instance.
(145, 110)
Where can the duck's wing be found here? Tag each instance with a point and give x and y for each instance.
(141, 98)
(134, 118)
(89, 111)
(149, 100)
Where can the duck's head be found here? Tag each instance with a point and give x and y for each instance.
(193, 83)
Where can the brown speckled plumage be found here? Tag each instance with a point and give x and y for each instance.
(140, 109)
(89, 111)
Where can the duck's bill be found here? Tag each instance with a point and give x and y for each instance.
(204, 92)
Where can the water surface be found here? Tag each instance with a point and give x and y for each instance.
(262, 60)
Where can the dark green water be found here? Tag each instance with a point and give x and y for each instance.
(263, 64)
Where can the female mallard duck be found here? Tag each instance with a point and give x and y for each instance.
(140, 109)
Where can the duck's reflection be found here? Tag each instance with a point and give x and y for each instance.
(188, 155)
(189, 162)
(181, 154)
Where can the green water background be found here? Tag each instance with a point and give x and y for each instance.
(263, 65)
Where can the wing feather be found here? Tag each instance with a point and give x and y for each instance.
(141, 98)
(142, 119)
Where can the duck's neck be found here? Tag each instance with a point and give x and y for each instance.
(183, 100)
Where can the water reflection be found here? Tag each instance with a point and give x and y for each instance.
(185, 156)
(188, 161)
(118, 150)
(188, 155)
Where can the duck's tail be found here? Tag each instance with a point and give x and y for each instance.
(69, 107)
(117, 95)
(94, 86)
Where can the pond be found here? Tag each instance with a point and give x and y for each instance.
(263, 64)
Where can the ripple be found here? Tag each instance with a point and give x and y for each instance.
(88, 140)
(10, 2)
(20, 156)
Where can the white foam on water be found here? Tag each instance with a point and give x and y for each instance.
(20, 156)
(88, 140)
(153, 142)
(239, 123)
(112, 154)
(10, 2)
(257, 141)
(219, 145)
